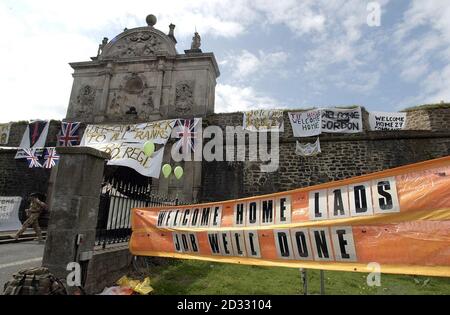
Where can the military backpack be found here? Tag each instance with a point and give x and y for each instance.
(34, 281)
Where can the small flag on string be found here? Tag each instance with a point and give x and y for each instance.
(33, 160)
(69, 135)
(51, 158)
(185, 129)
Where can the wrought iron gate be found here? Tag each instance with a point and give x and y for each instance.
(116, 200)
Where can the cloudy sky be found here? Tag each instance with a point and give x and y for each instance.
(272, 54)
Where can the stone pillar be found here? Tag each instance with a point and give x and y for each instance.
(159, 86)
(105, 94)
(74, 207)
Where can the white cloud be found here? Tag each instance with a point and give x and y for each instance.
(231, 98)
(419, 54)
(245, 64)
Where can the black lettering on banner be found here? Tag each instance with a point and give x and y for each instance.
(175, 218)
(186, 217)
(283, 212)
(360, 199)
(252, 213)
(385, 202)
(177, 242)
(238, 243)
(343, 243)
(161, 216)
(338, 202)
(213, 239)
(252, 244)
(385, 199)
(169, 213)
(301, 244)
(318, 204)
(225, 243)
(283, 244)
(194, 242)
(217, 216)
(317, 212)
(184, 241)
(205, 216)
(320, 237)
(267, 214)
(239, 209)
(195, 215)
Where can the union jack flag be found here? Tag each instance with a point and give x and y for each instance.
(33, 160)
(51, 158)
(69, 135)
(185, 131)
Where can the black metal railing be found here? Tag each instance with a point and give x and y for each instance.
(116, 201)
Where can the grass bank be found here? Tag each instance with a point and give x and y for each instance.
(198, 277)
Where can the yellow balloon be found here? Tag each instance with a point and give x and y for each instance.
(166, 169)
(149, 148)
(178, 171)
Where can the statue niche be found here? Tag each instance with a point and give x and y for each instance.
(184, 100)
(132, 97)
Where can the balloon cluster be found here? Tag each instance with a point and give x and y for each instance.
(167, 170)
(149, 149)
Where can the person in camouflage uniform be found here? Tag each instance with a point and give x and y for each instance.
(33, 213)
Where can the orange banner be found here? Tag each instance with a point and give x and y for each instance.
(398, 218)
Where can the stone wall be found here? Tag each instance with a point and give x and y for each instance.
(429, 119)
(426, 137)
(16, 178)
(343, 156)
(106, 267)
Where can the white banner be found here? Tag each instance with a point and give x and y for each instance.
(306, 124)
(125, 144)
(4, 133)
(132, 155)
(387, 121)
(9, 213)
(336, 120)
(263, 120)
(308, 149)
(158, 132)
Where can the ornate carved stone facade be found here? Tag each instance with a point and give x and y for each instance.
(184, 100)
(141, 69)
(140, 77)
(85, 101)
(140, 44)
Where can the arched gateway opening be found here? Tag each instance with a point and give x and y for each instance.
(123, 189)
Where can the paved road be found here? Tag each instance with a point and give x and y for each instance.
(16, 256)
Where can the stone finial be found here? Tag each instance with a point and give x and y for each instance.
(171, 29)
(171, 32)
(151, 20)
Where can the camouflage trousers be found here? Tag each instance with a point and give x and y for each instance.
(31, 221)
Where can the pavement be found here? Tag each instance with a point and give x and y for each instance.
(18, 255)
